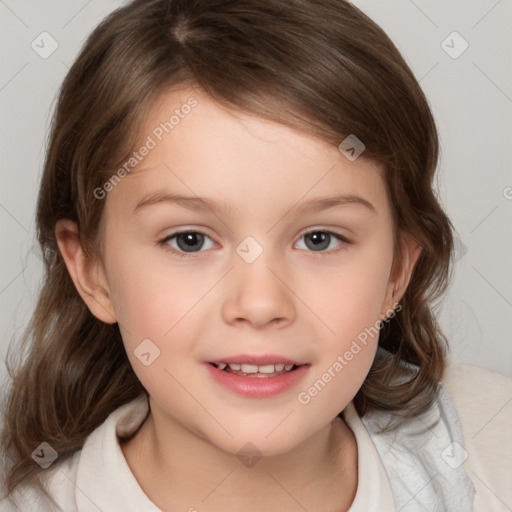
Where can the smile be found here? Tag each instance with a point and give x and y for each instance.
(256, 377)
(251, 370)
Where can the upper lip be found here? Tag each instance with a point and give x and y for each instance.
(257, 360)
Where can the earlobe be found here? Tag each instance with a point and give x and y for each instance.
(402, 270)
(87, 275)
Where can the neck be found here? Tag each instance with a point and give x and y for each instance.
(179, 470)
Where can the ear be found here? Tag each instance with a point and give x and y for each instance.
(87, 275)
(401, 273)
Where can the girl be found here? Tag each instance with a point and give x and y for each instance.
(242, 248)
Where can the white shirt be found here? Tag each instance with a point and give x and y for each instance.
(393, 473)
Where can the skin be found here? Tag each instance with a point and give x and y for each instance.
(305, 304)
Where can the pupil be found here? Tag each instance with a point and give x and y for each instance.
(189, 242)
(319, 239)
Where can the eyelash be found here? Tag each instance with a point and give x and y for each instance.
(164, 243)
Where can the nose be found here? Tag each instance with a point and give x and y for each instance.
(258, 295)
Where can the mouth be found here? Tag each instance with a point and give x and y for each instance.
(256, 371)
(257, 376)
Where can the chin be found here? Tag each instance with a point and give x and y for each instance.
(262, 442)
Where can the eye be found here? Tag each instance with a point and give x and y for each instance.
(188, 242)
(319, 241)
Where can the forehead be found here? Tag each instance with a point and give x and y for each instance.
(196, 146)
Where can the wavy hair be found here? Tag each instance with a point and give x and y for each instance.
(320, 66)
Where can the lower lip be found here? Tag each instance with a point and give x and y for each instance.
(257, 387)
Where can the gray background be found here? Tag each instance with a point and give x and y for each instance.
(470, 95)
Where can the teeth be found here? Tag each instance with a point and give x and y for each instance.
(268, 368)
(252, 368)
(248, 368)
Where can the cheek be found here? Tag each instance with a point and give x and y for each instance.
(350, 306)
(349, 297)
(351, 309)
(151, 298)
(154, 304)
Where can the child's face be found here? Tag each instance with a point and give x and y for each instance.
(304, 298)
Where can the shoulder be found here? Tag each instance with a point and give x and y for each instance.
(59, 483)
(483, 401)
(457, 453)
(98, 470)
(467, 383)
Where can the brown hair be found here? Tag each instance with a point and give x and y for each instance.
(320, 66)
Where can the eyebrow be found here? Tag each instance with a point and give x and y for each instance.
(204, 204)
